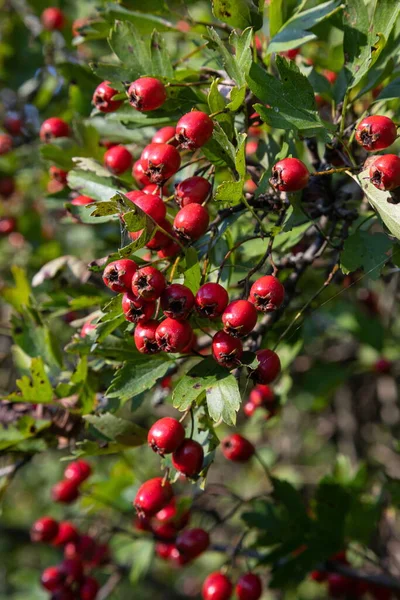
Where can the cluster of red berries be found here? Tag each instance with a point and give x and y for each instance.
(218, 586)
(261, 397)
(67, 490)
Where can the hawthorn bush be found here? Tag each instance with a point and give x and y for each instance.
(199, 244)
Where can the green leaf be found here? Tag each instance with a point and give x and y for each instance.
(242, 45)
(390, 91)
(192, 270)
(137, 376)
(239, 13)
(26, 427)
(290, 38)
(145, 22)
(224, 57)
(279, 13)
(35, 389)
(287, 495)
(132, 50)
(92, 185)
(366, 250)
(143, 553)
(219, 150)
(18, 295)
(118, 430)
(160, 59)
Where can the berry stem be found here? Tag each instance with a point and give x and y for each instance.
(190, 54)
(335, 170)
(219, 112)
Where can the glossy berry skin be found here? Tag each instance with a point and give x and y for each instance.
(217, 586)
(152, 496)
(376, 133)
(188, 458)
(194, 129)
(249, 587)
(145, 337)
(82, 200)
(239, 318)
(148, 283)
(194, 190)
(88, 589)
(65, 491)
(226, 349)
(82, 549)
(138, 173)
(86, 328)
(7, 186)
(190, 543)
(262, 395)
(52, 19)
(191, 222)
(236, 448)
(211, 300)
(53, 128)
(173, 335)
(151, 204)
(318, 576)
(177, 301)
(269, 366)
(135, 309)
(103, 98)
(118, 275)
(384, 172)
(52, 578)
(147, 93)
(44, 530)
(171, 515)
(67, 533)
(6, 143)
(166, 435)
(118, 160)
(160, 162)
(163, 550)
(267, 293)
(78, 471)
(289, 175)
(58, 175)
(169, 251)
(72, 569)
(165, 135)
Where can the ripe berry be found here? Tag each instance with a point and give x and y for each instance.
(269, 366)
(384, 172)
(262, 395)
(83, 548)
(72, 569)
(169, 251)
(173, 516)
(44, 530)
(289, 175)
(78, 471)
(67, 533)
(191, 222)
(383, 365)
(188, 458)
(239, 318)
(165, 135)
(6, 143)
(82, 200)
(7, 225)
(160, 162)
(194, 129)
(217, 587)
(103, 98)
(87, 327)
(65, 491)
(249, 587)
(163, 550)
(161, 239)
(376, 133)
(166, 435)
(152, 496)
(52, 578)
(318, 576)
(7, 186)
(236, 448)
(135, 309)
(211, 300)
(151, 204)
(64, 593)
(52, 18)
(173, 335)
(118, 160)
(58, 175)
(145, 337)
(249, 409)
(177, 301)
(194, 190)
(138, 173)
(53, 128)
(226, 349)
(148, 283)
(190, 543)
(147, 93)
(267, 293)
(13, 123)
(88, 589)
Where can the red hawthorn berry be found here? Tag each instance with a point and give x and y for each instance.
(239, 318)
(44, 530)
(376, 133)
(267, 293)
(58, 175)
(7, 186)
(173, 515)
(169, 251)
(118, 159)
(226, 349)
(83, 548)
(194, 190)
(101, 555)
(103, 98)
(173, 335)
(384, 172)
(88, 326)
(191, 222)
(166, 435)
(72, 568)
(164, 549)
(165, 135)
(190, 543)
(65, 491)
(53, 128)
(145, 337)
(13, 123)
(7, 225)
(152, 496)
(318, 576)
(52, 578)
(331, 76)
(211, 300)
(236, 448)
(251, 147)
(194, 129)
(339, 585)
(6, 143)
(289, 175)
(78, 471)
(148, 283)
(118, 275)
(161, 239)
(217, 586)
(138, 173)
(269, 366)
(52, 19)
(89, 589)
(177, 301)
(77, 25)
(137, 310)
(383, 365)
(82, 200)
(147, 93)
(249, 587)
(188, 458)
(65, 593)
(249, 409)
(262, 395)
(151, 204)
(291, 54)
(67, 533)
(160, 162)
